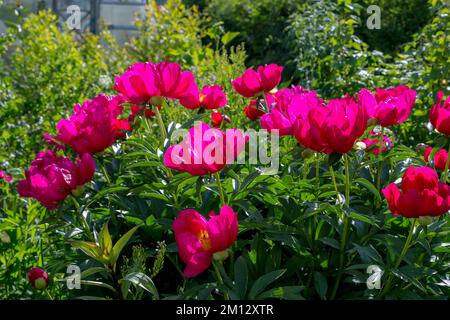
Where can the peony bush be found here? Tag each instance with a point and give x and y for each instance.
(129, 191)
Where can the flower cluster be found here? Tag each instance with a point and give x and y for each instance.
(324, 126)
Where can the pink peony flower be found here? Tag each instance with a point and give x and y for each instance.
(94, 126)
(198, 239)
(51, 178)
(147, 82)
(440, 114)
(333, 128)
(422, 194)
(288, 105)
(211, 97)
(373, 145)
(254, 82)
(439, 159)
(389, 106)
(205, 150)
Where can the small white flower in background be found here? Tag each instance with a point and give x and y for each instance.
(105, 81)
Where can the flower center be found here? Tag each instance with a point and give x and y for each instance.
(203, 237)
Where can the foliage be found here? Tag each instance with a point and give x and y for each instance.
(291, 224)
(182, 34)
(400, 20)
(46, 71)
(259, 24)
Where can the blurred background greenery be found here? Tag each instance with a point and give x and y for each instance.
(324, 45)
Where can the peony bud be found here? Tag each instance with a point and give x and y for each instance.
(38, 278)
(307, 153)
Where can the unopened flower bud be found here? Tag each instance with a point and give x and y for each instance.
(307, 153)
(38, 278)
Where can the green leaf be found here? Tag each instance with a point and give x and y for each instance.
(320, 284)
(262, 282)
(88, 272)
(120, 244)
(367, 184)
(105, 241)
(102, 193)
(89, 248)
(143, 281)
(241, 276)
(288, 293)
(97, 284)
(228, 37)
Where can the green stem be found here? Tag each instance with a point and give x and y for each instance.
(345, 229)
(333, 178)
(219, 187)
(162, 127)
(317, 174)
(380, 158)
(106, 175)
(388, 285)
(219, 278)
(48, 294)
(444, 174)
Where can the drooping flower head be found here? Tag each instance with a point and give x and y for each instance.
(389, 106)
(211, 97)
(198, 239)
(285, 106)
(205, 150)
(52, 178)
(147, 82)
(421, 194)
(331, 128)
(38, 278)
(373, 144)
(252, 82)
(440, 114)
(439, 159)
(94, 126)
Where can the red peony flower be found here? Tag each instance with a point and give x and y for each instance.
(51, 178)
(198, 239)
(421, 194)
